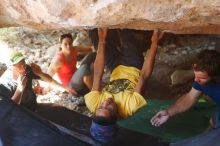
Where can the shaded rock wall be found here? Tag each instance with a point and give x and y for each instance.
(182, 16)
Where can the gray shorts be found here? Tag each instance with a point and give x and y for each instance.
(76, 81)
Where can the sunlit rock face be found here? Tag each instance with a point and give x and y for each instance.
(178, 16)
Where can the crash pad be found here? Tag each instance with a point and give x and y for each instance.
(182, 126)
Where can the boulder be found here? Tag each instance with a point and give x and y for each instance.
(180, 77)
(182, 16)
(51, 51)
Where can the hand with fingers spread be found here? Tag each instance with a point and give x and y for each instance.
(156, 37)
(160, 118)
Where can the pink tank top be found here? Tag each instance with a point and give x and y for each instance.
(66, 71)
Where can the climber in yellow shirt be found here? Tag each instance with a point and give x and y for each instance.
(121, 97)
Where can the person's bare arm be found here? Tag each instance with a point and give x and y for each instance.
(21, 81)
(54, 66)
(47, 78)
(182, 104)
(83, 50)
(99, 63)
(149, 61)
(17, 96)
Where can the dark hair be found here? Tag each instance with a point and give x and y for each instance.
(208, 60)
(111, 120)
(63, 36)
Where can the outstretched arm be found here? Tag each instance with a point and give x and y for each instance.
(182, 104)
(99, 63)
(149, 61)
(47, 78)
(83, 50)
(54, 66)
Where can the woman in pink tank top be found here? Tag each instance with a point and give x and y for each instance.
(64, 62)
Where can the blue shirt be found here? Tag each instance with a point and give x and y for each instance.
(210, 89)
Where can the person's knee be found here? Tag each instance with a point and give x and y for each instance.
(88, 81)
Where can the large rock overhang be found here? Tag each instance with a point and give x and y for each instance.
(180, 17)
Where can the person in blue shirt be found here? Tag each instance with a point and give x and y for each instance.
(207, 80)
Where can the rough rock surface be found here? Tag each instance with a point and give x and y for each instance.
(182, 16)
(179, 77)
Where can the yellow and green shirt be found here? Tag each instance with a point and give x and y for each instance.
(121, 87)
